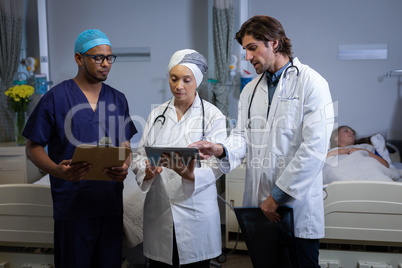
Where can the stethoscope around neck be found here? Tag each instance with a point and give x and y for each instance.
(282, 95)
(162, 118)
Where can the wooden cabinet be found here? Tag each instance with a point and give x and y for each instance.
(234, 196)
(15, 167)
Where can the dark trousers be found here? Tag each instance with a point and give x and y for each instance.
(307, 251)
(89, 243)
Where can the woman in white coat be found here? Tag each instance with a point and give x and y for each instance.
(285, 119)
(181, 215)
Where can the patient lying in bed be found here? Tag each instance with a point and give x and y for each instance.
(351, 161)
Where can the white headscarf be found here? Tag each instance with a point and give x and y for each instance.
(192, 60)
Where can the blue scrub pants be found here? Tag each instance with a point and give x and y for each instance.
(89, 243)
(307, 251)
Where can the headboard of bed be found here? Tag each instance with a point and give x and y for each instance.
(26, 215)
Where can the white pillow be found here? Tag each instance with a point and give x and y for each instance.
(380, 146)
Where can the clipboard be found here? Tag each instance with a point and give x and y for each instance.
(187, 154)
(100, 157)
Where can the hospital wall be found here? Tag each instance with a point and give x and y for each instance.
(163, 26)
(366, 100)
(316, 28)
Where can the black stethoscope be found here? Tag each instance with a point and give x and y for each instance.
(291, 96)
(162, 118)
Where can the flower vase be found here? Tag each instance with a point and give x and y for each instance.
(20, 120)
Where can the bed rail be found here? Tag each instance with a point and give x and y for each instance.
(363, 212)
(26, 215)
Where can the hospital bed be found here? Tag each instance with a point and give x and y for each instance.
(26, 221)
(366, 211)
(363, 223)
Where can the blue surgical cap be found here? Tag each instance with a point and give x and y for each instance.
(89, 39)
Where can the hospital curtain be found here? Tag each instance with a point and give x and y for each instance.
(223, 36)
(11, 21)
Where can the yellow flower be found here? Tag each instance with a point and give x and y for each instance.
(19, 97)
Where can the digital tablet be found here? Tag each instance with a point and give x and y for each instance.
(187, 154)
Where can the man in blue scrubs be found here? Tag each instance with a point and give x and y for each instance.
(88, 214)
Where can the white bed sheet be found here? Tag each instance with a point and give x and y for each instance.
(133, 200)
(398, 167)
(358, 166)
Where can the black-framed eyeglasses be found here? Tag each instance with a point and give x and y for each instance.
(100, 58)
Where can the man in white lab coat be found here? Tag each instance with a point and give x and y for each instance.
(285, 119)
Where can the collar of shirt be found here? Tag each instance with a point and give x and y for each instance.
(194, 106)
(196, 103)
(274, 78)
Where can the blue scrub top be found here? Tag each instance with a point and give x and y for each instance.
(64, 119)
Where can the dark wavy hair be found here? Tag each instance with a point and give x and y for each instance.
(265, 28)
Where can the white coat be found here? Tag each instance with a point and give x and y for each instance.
(190, 207)
(289, 149)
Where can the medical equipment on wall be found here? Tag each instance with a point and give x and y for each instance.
(162, 119)
(22, 78)
(286, 93)
(245, 78)
(30, 63)
(390, 74)
(232, 66)
(394, 73)
(41, 83)
(38, 81)
(211, 84)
